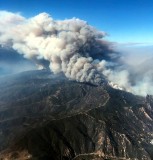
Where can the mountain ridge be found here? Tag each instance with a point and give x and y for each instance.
(72, 120)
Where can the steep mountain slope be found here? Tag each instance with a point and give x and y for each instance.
(45, 116)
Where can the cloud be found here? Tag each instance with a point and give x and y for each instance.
(73, 47)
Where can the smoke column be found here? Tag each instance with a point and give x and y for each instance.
(70, 46)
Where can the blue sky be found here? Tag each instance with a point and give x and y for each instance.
(124, 20)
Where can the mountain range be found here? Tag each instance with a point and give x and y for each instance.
(48, 117)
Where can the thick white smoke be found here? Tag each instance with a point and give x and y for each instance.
(70, 46)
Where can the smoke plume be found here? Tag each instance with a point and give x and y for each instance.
(70, 46)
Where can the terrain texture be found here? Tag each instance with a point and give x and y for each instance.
(48, 117)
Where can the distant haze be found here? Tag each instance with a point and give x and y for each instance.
(10, 61)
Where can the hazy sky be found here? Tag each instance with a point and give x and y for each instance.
(123, 20)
